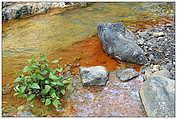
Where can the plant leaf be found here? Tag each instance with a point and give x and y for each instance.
(35, 86)
(52, 76)
(31, 97)
(56, 103)
(53, 94)
(60, 69)
(20, 95)
(66, 82)
(47, 102)
(34, 66)
(62, 91)
(46, 81)
(46, 89)
(42, 58)
(32, 60)
(57, 83)
(43, 100)
(70, 88)
(44, 72)
(22, 89)
(27, 69)
(55, 61)
(20, 108)
(16, 94)
(17, 88)
(18, 80)
(40, 77)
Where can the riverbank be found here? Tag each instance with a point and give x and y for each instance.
(15, 10)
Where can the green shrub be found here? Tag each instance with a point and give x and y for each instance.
(39, 81)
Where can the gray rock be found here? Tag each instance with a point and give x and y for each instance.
(155, 70)
(94, 76)
(24, 114)
(164, 73)
(15, 10)
(158, 97)
(158, 34)
(119, 43)
(126, 74)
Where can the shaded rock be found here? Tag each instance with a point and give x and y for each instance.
(97, 75)
(126, 74)
(158, 97)
(119, 43)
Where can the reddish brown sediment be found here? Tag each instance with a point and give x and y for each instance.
(90, 53)
(147, 24)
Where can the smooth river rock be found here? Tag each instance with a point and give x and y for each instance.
(158, 96)
(94, 76)
(119, 43)
(126, 74)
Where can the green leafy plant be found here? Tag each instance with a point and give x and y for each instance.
(39, 81)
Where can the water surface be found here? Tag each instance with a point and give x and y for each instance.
(68, 34)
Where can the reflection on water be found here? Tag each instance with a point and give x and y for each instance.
(59, 34)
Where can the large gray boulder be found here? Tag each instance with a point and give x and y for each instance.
(94, 76)
(158, 96)
(119, 43)
(126, 74)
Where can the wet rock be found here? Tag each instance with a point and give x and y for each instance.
(24, 114)
(158, 97)
(120, 99)
(158, 34)
(94, 76)
(119, 43)
(58, 109)
(126, 74)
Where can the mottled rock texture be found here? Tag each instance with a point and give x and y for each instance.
(158, 96)
(119, 42)
(94, 76)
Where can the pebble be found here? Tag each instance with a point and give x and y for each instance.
(160, 46)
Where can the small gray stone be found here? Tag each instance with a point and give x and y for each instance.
(158, 97)
(126, 74)
(140, 41)
(24, 114)
(158, 34)
(94, 76)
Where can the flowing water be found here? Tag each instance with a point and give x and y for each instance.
(68, 34)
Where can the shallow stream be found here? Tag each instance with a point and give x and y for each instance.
(70, 34)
